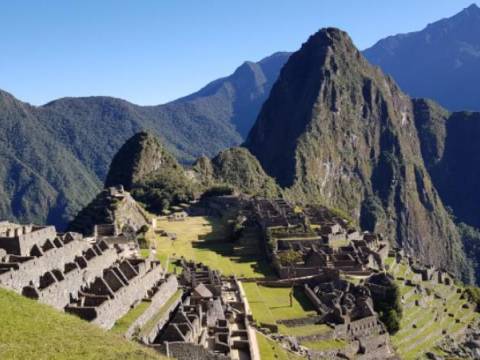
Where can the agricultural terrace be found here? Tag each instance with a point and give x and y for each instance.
(426, 319)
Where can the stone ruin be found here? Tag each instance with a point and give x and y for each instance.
(86, 277)
(202, 316)
(322, 240)
(211, 322)
(348, 309)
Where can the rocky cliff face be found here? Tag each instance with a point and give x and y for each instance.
(451, 152)
(336, 130)
(110, 206)
(140, 155)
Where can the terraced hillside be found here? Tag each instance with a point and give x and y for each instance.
(430, 311)
(34, 331)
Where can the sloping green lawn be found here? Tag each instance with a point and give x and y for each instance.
(29, 330)
(121, 325)
(205, 240)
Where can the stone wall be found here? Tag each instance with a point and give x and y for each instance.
(163, 294)
(112, 310)
(364, 327)
(58, 293)
(310, 320)
(36, 236)
(28, 272)
(189, 351)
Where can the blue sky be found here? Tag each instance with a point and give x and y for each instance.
(153, 51)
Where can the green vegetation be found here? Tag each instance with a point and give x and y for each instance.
(163, 188)
(218, 190)
(122, 324)
(421, 327)
(271, 350)
(471, 241)
(154, 177)
(325, 345)
(389, 307)
(34, 331)
(269, 304)
(473, 294)
(160, 313)
(207, 240)
(235, 169)
(239, 168)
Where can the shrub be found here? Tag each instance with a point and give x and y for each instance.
(388, 306)
(218, 190)
(143, 229)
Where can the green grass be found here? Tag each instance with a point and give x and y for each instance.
(205, 239)
(122, 324)
(161, 312)
(30, 330)
(271, 350)
(304, 330)
(325, 345)
(144, 253)
(271, 304)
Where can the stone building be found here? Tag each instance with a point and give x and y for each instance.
(211, 322)
(91, 279)
(320, 238)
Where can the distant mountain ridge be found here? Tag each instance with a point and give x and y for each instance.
(440, 62)
(56, 156)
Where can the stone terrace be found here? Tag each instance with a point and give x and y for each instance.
(87, 277)
(111, 295)
(211, 322)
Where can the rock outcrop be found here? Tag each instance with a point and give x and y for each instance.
(110, 206)
(236, 167)
(141, 155)
(336, 130)
(154, 177)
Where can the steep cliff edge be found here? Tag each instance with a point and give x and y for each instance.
(336, 130)
(451, 151)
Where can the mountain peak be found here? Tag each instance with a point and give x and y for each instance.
(143, 153)
(329, 36)
(473, 7)
(328, 132)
